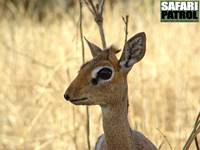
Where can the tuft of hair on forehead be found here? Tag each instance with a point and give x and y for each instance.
(105, 55)
(113, 49)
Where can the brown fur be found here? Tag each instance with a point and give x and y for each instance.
(111, 95)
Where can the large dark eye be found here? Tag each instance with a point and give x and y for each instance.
(104, 73)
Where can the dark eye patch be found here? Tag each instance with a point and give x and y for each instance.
(94, 81)
(104, 73)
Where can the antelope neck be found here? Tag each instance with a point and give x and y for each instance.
(116, 127)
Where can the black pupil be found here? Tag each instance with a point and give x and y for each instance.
(104, 73)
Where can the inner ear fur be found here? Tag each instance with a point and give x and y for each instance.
(134, 51)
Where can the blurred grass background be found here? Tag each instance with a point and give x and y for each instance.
(40, 53)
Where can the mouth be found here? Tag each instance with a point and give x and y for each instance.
(79, 100)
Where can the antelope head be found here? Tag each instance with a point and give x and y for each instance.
(103, 80)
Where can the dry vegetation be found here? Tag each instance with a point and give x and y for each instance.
(39, 60)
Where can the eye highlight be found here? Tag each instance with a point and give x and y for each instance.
(104, 73)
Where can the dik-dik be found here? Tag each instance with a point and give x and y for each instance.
(103, 81)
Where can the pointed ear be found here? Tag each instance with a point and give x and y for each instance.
(134, 51)
(95, 50)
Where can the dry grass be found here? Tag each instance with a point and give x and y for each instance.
(38, 61)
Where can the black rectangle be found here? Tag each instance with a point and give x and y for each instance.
(179, 16)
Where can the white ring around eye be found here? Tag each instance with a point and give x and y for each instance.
(94, 72)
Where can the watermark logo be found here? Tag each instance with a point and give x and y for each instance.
(179, 11)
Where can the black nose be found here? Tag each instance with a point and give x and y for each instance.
(66, 97)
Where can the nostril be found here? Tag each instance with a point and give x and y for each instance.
(66, 97)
